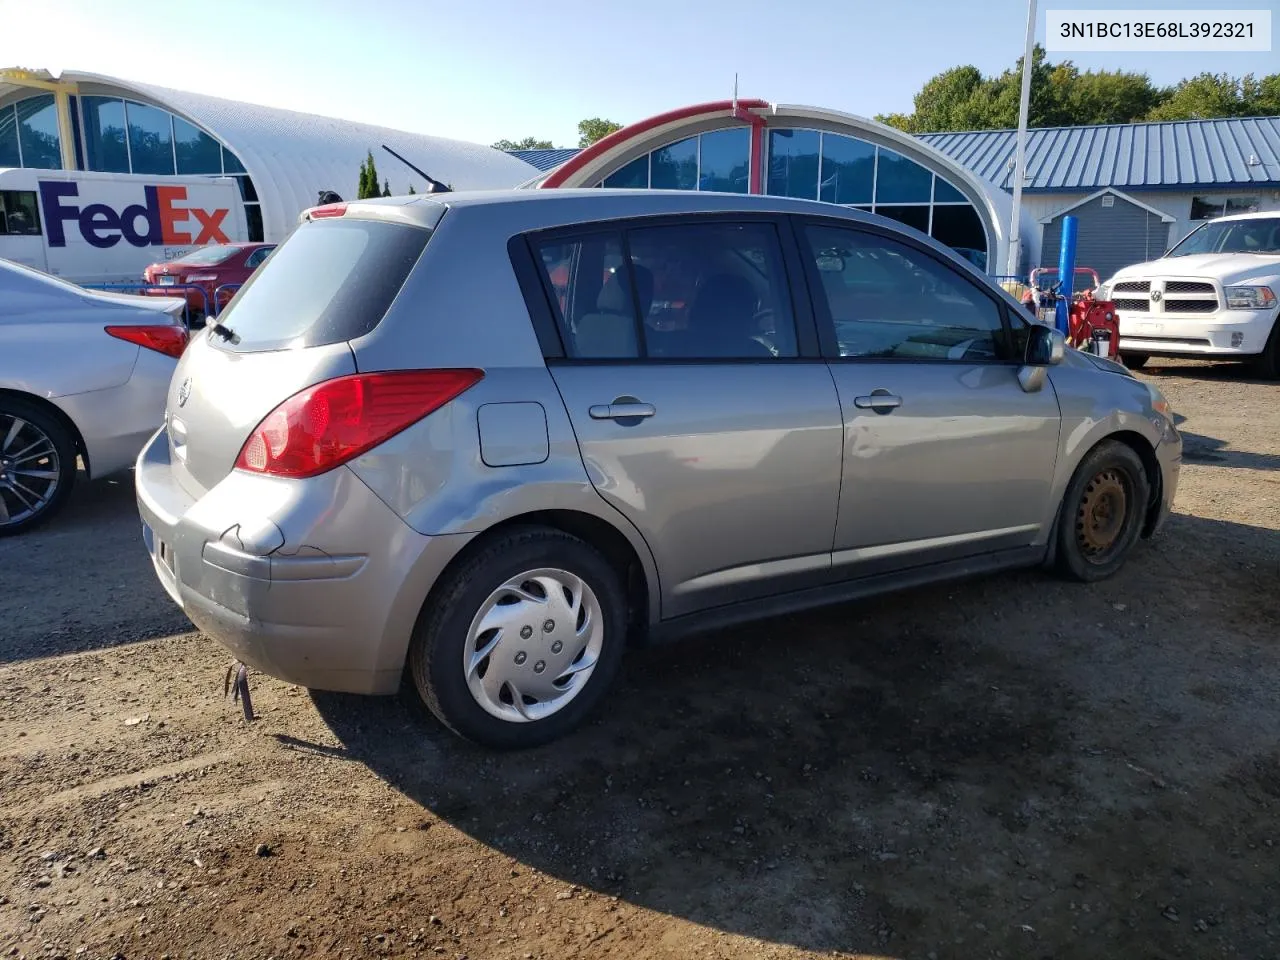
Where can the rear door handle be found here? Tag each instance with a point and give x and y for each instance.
(881, 401)
(620, 411)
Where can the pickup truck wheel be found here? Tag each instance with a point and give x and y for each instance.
(1267, 364)
(1134, 361)
(37, 466)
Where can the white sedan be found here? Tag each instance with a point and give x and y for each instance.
(82, 374)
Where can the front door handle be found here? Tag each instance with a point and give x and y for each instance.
(621, 411)
(881, 401)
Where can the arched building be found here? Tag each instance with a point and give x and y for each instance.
(280, 158)
(751, 146)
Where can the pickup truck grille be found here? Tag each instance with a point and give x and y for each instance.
(1190, 306)
(1186, 286)
(1165, 296)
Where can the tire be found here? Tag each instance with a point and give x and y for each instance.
(37, 465)
(1267, 364)
(1134, 361)
(1091, 545)
(478, 703)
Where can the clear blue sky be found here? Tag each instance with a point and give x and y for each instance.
(486, 69)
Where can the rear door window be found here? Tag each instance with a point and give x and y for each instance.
(332, 280)
(689, 291)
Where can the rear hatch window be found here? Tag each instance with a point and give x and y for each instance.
(332, 280)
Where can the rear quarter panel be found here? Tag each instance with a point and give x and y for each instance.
(462, 307)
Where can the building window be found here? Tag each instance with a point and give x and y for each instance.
(635, 175)
(9, 155)
(675, 167)
(150, 139)
(104, 134)
(848, 170)
(1210, 208)
(899, 180)
(38, 138)
(194, 150)
(793, 163)
(836, 168)
(724, 160)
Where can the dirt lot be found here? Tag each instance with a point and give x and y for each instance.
(1011, 767)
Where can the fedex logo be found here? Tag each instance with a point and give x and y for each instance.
(159, 221)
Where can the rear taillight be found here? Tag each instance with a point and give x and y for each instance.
(332, 422)
(165, 338)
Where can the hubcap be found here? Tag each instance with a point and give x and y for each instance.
(29, 469)
(1101, 516)
(533, 645)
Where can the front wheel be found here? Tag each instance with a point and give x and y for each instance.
(1102, 513)
(522, 640)
(1134, 361)
(1268, 364)
(37, 466)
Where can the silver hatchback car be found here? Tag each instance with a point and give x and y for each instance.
(492, 437)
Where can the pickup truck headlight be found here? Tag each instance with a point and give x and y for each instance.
(1250, 298)
(1103, 292)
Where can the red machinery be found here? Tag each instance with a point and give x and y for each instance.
(1092, 325)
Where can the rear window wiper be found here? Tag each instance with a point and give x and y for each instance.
(225, 332)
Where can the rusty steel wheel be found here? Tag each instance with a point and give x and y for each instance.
(1102, 512)
(1101, 515)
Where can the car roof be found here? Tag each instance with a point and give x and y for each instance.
(1258, 215)
(592, 203)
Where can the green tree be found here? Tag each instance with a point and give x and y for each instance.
(593, 129)
(528, 143)
(411, 190)
(368, 186)
(1061, 95)
(386, 188)
(1208, 96)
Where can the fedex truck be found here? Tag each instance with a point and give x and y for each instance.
(107, 227)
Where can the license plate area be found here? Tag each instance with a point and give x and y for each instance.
(166, 280)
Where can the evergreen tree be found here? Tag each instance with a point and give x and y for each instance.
(386, 188)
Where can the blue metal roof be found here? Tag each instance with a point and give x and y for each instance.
(1152, 156)
(545, 159)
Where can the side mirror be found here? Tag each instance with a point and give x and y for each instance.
(1046, 347)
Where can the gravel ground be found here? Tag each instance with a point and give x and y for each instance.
(1006, 767)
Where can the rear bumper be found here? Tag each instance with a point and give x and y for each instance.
(1227, 333)
(316, 582)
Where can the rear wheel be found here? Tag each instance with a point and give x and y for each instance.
(37, 465)
(1102, 512)
(1134, 361)
(522, 640)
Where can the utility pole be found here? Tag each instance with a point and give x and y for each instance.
(1020, 154)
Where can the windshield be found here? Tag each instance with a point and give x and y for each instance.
(208, 256)
(1231, 236)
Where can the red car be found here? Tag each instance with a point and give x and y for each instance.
(208, 268)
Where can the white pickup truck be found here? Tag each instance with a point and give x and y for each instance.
(1213, 296)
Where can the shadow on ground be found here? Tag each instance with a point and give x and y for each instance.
(1214, 452)
(82, 581)
(826, 781)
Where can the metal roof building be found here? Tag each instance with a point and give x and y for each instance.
(1226, 154)
(1136, 188)
(282, 158)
